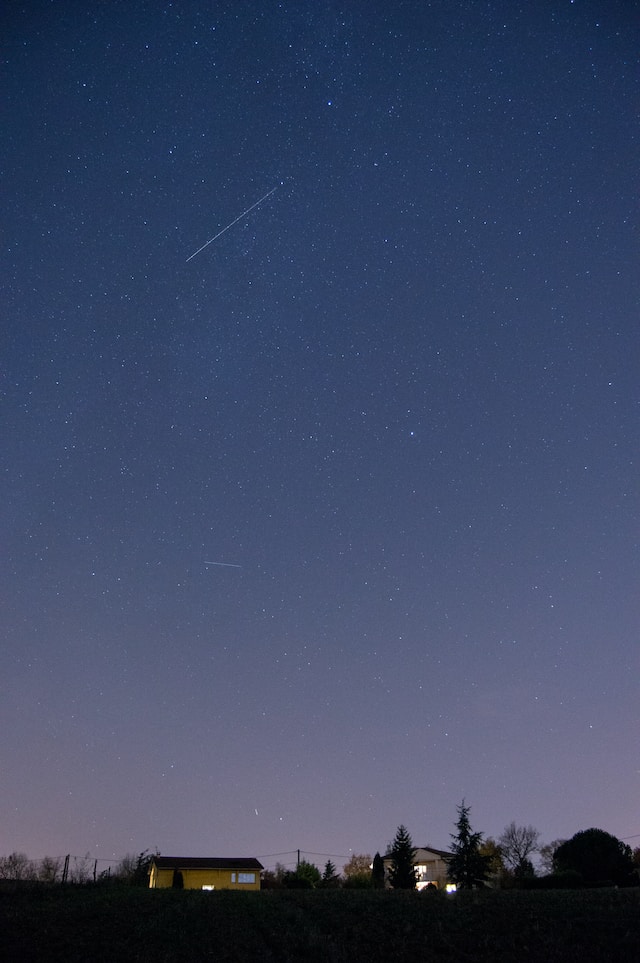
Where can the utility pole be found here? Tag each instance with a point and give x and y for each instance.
(65, 871)
(298, 862)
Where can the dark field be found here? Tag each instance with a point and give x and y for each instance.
(122, 924)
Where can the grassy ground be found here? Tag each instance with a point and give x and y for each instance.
(118, 924)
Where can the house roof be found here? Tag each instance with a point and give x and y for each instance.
(206, 862)
(442, 853)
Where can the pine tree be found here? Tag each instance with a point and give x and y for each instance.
(467, 867)
(402, 874)
(330, 878)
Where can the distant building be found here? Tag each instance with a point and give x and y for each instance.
(430, 866)
(193, 872)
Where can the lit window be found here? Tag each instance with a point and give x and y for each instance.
(208, 887)
(246, 878)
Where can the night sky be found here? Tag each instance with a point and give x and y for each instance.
(397, 399)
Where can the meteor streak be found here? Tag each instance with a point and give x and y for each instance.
(238, 218)
(224, 564)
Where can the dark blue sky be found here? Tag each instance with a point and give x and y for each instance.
(400, 394)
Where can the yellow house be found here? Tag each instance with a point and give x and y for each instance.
(193, 872)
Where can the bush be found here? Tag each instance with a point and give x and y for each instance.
(358, 881)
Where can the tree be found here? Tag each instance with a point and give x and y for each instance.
(308, 871)
(546, 855)
(125, 868)
(83, 868)
(468, 866)
(178, 880)
(50, 869)
(274, 879)
(16, 866)
(402, 874)
(269, 880)
(495, 863)
(516, 844)
(377, 872)
(330, 878)
(306, 876)
(359, 863)
(134, 870)
(524, 870)
(357, 881)
(280, 873)
(598, 857)
(357, 872)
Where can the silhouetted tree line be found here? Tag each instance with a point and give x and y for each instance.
(132, 870)
(591, 857)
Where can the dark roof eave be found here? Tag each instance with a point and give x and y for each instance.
(205, 862)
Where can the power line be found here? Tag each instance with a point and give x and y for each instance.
(290, 852)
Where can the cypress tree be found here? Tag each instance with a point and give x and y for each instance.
(178, 881)
(377, 872)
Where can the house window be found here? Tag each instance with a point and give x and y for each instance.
(246, 877)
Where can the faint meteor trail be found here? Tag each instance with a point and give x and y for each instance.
(223, 564)
(238, 218)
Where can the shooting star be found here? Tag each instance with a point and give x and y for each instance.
(224, 564)
(238, 218)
